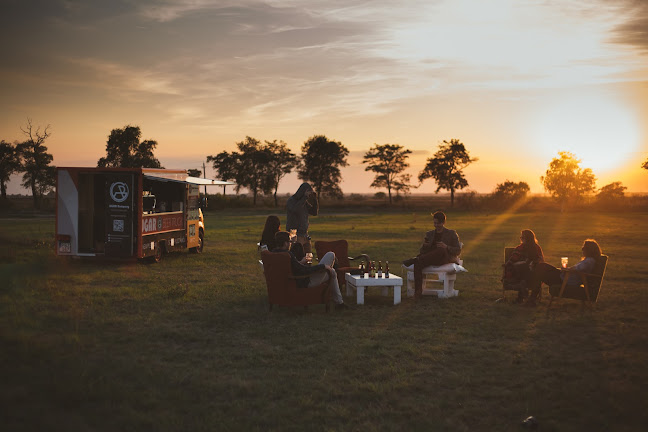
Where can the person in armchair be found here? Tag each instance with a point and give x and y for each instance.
(317, 274)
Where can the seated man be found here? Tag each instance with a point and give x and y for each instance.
(440, 246)
(317, 274)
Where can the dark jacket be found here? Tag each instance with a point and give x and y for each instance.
(298, 208)
(299, 269)
(448, 236)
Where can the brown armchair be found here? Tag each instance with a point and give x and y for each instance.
(587, 290)
(282, 285)
(341, 250)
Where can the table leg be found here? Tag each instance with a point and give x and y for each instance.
(360, 295)
(397, 294)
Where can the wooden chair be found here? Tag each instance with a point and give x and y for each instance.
(282, 284)
(341, 250)
(587, 290)
(445, 274)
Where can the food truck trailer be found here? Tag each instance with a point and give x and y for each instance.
(128, 212)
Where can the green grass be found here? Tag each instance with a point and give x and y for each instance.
(188, 344)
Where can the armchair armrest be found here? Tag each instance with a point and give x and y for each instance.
(305, 276)
(365, 256)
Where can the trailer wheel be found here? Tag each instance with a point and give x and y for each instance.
(158, 252)
(201, 244)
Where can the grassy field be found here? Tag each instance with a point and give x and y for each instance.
(188, 344)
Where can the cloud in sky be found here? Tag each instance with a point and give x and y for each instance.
(343, 57)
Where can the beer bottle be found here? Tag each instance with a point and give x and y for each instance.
(372, 269)
(362, 269)
(379, 269)
(386, 269)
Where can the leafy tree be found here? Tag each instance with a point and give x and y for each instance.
(9, 164)
(247, 167)
(645, 165)
(194, 172)
(38, 175)
(612, 191)
(446, 167)
(402, 184)
(388, 161)
(124, 150)
(320, 164)
(281, 161)
(566, 180)
(511, 190)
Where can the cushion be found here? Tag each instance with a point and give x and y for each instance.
(447, 268)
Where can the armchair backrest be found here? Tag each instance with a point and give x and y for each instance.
(277, 272)
(508, 251)
(339, 247)
(596, 279)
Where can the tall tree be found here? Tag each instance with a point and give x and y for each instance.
(645, 165)
(38, 175)
(446, 167)
(9, 164)
(388, 161)
(247, 167)
(565, 180)
(320, 164)
(402, 184)
(281, 161)
(124, 150)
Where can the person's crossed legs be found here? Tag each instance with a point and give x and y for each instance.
(318, 278)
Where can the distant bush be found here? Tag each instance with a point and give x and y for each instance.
(380, 195)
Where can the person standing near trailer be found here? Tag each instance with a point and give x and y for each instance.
(299, 207)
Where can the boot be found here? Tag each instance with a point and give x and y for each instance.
(408, 262)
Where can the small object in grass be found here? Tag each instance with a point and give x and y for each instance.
(530, 423)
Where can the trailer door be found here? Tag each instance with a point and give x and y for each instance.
(120, 207)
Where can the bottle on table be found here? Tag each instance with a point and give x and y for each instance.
(379, 269)
(386, 269)
(372, 269)
(362, 269)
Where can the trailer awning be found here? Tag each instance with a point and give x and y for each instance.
(188, 179)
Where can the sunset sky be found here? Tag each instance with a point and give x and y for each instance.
(515, 80)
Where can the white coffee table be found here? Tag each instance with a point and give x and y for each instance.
(355, 281)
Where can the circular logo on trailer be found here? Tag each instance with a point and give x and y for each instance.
(119, 191)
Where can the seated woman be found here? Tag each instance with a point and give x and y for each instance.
(551, 275)
(272, 226)
(522, 262)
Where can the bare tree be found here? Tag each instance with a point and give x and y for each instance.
(38, 175)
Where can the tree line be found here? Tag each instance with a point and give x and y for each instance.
(260, 166)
